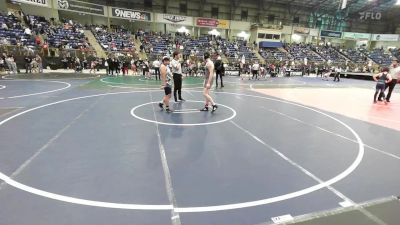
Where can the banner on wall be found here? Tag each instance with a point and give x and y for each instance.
(301, 30)
(385, 37)
(333, 34)
(43, 3)
(314, 32)
(174, 19)
(356, 36)
(216, 23)
(130, 14)
(82, 7)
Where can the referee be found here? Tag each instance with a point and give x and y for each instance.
(177, 76)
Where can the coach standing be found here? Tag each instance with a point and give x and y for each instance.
(394, 72)
(176, 68)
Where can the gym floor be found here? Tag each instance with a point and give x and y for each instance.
(100, 151)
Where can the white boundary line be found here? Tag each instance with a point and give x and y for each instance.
(295, 194)
(331, 132)
(175, 218)
(79, 200)
(118, 83)
(68, 85)
(308, 173)
(269, 82)
(10, 77)
(182, 124)
(151, 88)
(186, 112)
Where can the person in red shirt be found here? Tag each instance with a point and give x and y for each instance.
(45, 48)
(37, 40)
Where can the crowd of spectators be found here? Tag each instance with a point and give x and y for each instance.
(236, 49)
(274, 54)
(330, 53)
(379, 56)
(13, 32)
(116, 39)
(196, 48)
(155, 44)
(356, 55)
(35, 32)
(299, 52)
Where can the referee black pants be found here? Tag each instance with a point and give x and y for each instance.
(337, 77)
(219, 74)
(157, 72)
(177, 85)
(391, 86)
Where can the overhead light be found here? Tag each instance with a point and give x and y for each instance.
(214, 32)
(243, 35)
(183, 30)
(296, 37)
(344, 4)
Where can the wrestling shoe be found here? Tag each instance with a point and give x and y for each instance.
(205, 109)
(214, 107)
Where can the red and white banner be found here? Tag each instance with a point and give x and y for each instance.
(209, 22)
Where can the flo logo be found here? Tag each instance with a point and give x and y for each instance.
(370, 16)
(63, 4)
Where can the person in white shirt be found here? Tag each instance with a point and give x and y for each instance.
(27, 31)
(394, 72)
(254, 69)
(176, 68)
(337, 72)
(4, 26)
(156, 66)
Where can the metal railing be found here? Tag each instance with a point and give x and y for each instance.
(50, 52)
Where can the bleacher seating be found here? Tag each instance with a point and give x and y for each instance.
(197, 47)
(395, 52)
(355, 55)
(274, 54)
(330, 53)
(380, 57)
(301, 51)
(119, 39)
(37, 24)
(236, 50)
(157, 45)
(12, 32)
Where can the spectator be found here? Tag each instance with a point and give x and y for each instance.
(39, 63)
(28, 65)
